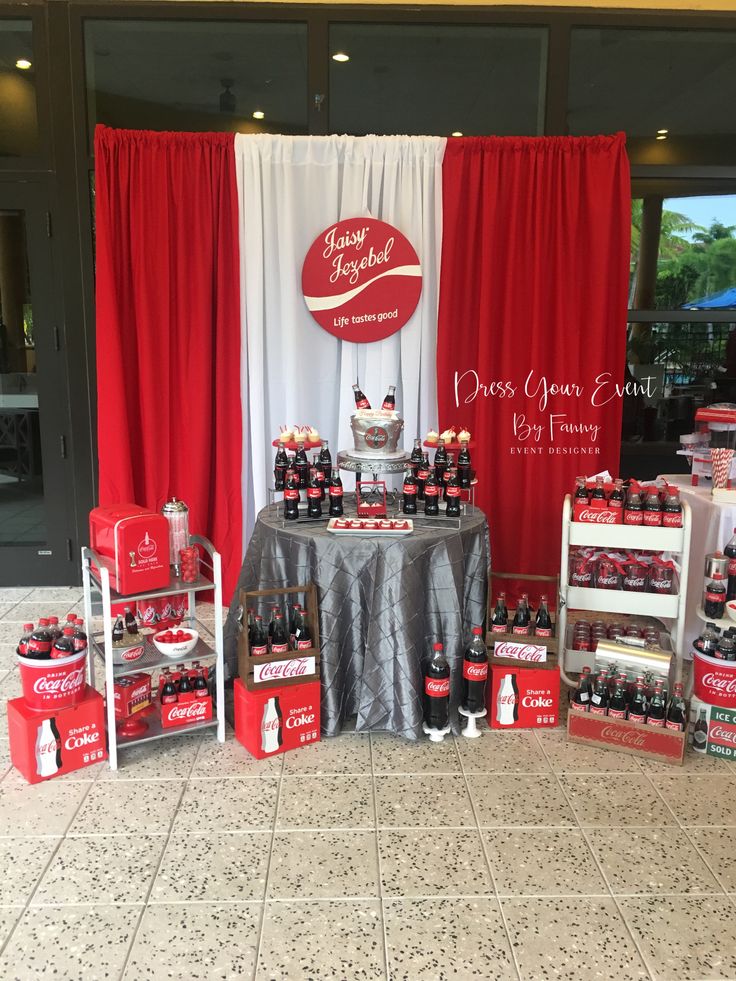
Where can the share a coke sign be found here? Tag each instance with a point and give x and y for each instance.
(361, 279)
(520, 652)
(275, 671)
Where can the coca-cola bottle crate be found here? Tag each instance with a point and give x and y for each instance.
(292, 667)
(510, 646)
(651, 742)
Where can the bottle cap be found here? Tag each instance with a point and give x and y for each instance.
(477, 631)
(436, 647)
(27, 627)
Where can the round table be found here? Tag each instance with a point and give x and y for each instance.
(383, 602)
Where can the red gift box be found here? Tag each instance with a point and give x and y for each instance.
(132, 693)
(46, 745)
(275, 720)
(133, 544)
(184, 713)
(523, 698)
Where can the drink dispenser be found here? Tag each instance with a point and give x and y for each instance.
(177, 514)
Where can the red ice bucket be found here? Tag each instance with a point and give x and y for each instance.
(715, 680)
(54, 683)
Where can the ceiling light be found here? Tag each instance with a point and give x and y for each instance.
(662, 136)
(23, 63)
(341, 56)
(259, 114)
(456, 133)
(662, 132)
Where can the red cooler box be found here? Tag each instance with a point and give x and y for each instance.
(133, 544)
(269, 721)
(44, 745)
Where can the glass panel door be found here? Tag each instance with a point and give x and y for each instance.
(34, 438)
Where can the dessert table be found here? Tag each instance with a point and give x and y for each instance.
(712, 527)
(383, 602)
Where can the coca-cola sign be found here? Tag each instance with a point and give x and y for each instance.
(626, 736)
(722, 734)
(186, 713)
(608, 516)
(715, 682)
(294, 667)
(361, 279)
(58, 684)
(520, 652)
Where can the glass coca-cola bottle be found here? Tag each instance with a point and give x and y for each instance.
(168, 690)
(325, 457)
(431, 495)
(730, 551)
(185, 686)
(259, 638)
(638, 705)
(617, 705)
(581, 495)
(437, 690)
(279, 638)
(599, 491)
(291, 496)
(464, 471)
(301, 463)
(440, 461)
(314, 496)
(475, 673)
(416, 455)
(389, 401)
(543, 623)
(336, 494)
(422, 475)
(409, 492)
(599, 698)
(676, 710)
(131, 624)
(361, 402)
(522, 617)
(319, 475)
(700, 733)
(302, 634)
(581, 696)
(657, 712)
(280, 466)
(118, 630)
(199, 684)
(452, 491)
(500, 618)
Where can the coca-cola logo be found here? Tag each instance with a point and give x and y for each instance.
(59, 684)
(536, 702)
(376, 437)
(475, 672)
(189, 710)
(520, 652)
(634, 582)
(132, 653)
(581, 577)
(660, 584)
(608, 580)
(725, 735)
(597, 517)
(721, 683)
(509, 699)
(293, 668)
(437, 687)
(86, 739)
(626, 737)
(296, 721)
(147, 548)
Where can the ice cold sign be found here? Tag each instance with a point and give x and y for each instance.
(361, 279)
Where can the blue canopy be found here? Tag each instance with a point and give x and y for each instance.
(725, 300)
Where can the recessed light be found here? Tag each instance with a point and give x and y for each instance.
(662, 136)
(456, 133)
(259, 114)
(23, 63)
(662, 132)
(341, 56)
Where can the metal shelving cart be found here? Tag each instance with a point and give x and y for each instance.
(98, 600)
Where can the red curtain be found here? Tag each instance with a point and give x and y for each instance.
(168, 328)
(533, 294)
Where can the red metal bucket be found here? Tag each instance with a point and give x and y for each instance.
(715, 680)
(54, 683)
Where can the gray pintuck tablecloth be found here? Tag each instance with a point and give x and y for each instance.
(383, 602)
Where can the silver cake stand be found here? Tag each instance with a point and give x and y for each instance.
(371, 464)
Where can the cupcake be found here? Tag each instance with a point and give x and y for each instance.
(432, 436)
(286, 436)
(448, 435)
(463, 436)
(312, 435)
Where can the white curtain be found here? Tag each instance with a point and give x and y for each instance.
(292, 371)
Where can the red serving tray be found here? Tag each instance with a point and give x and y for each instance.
(449, 446)
(293, 445)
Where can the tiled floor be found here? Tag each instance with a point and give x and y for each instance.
(514, 856)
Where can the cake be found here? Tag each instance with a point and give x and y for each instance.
(376, 433)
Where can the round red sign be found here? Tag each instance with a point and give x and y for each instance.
(361, 279)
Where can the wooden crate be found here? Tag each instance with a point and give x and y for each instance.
(550, 643)
(650, 742)
(248, 665)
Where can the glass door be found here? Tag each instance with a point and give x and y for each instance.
(35, 468)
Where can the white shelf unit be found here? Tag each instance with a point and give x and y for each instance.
(98, 600)
(627, 538)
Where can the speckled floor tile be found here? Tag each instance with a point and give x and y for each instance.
(230, 759)
(10, 633)
(323, 864)
(4, 755)
(435, 862)
(103, 870)
(38, 809)
(6, 610)
(339, 754)
(128, 807)
(423, 801)
(650, 860)
(31, 612)
(546, 862)
(55, 595)
(8, 658)
(627, 800)
(214, 867)
(336, 801)
(502, 752)
(227, 805)
(565, 756)
(86, 774)
(70, 943)
(342, 940)
(443, 939)
(572, 937)
(707, 800)
(196, 942)
(14, 594)
(163, 759)
(22, 861)
(519, 800)
(719, 853)
(684, 937)
(392, 754)
(694, 763)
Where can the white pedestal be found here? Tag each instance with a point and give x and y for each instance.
(471, 730)
(435, 735)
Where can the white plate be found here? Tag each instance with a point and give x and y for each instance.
(390, 527)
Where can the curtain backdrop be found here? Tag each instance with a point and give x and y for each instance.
(535, 264)
(168, 328)
(292, 371)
